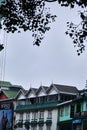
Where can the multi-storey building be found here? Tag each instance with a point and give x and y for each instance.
(64, 121)
(8, 94)
(8, 91)
(73, 113)
(37, 109)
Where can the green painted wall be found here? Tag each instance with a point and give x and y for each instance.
(66, 113)
(84, 105)
(64, 110)
(1, 1)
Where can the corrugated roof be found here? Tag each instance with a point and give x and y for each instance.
(8, 85)
(65, 88)
(5, 83)
(10, 93)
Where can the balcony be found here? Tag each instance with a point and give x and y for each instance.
(48, 121)
(19, 123)
(36, 106)
(27, 124)
(41, 121)
(33, 122)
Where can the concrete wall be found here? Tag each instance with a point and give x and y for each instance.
(54, 118)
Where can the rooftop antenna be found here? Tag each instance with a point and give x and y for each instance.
(30, 85)
(86, 84)
(40, 83)
(52, 81)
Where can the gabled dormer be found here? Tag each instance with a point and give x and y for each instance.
(52, 94)
(52, 90)
(31, 96)
(20, 95)
(42, 91)
(21, 98)
(31, 93)
(61, 92)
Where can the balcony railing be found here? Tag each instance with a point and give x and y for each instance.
(48, 121)
(19, 123)
(26, 124)
(36, 106)
(33, 122)
(41, 121)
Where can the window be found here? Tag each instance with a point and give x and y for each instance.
(41, 115)
(66, 111)
(48, 127)
(86, 105)
(78, 108)
(27, 101)
(21, 116)
(33, 100)
(49, 114)
(34, 115)
(61, 112)
(42, 99)
(53, 97)
(40, 127)
(28, 116)
(72, 111)
(21, 102)
(62, 97)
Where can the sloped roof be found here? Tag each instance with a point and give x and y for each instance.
(21, 92)
(5, 83)
(10, 94)
(44, 88)
(32, 90)
(8, 85)
(65, 88)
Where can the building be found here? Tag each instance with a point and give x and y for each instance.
(8, 94)
(73, 113)
(64, 121)
(37, 108)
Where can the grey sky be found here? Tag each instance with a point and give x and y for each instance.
(54, 61)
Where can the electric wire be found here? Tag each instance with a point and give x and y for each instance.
(3, 56)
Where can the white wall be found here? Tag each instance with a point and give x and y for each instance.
(54, 118)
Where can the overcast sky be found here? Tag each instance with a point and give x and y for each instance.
(55, 61)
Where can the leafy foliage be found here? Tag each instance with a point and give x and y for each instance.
(34, 16)
(78, 32)
(72, 3)
(27, 15)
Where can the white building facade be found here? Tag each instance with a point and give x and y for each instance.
(37, 108)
